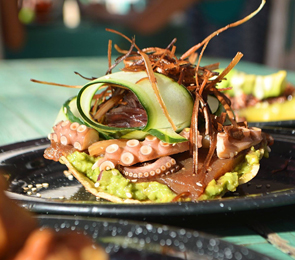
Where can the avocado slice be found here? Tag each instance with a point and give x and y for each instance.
(260, 86)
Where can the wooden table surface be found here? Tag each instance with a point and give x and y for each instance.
(28, 111)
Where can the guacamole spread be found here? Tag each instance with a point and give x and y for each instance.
(112, 182)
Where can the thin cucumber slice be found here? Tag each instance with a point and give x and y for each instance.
(177, 99)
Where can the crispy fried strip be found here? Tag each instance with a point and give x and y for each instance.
(199, 59)
(194, 135)
(213, 66)
(122, 58)
(109, 56)
(105, 107)
(245, 19)
(54, 84)
(79, 74)
(205, 166)
(118, 49)
(103, 95)
(164, 53)
(124, 36)
(232, 64)
(223, 100)
(153, 82)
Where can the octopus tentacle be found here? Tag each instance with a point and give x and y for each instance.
(162, 166)
(235, 140)
(136, 151)
(126, 155)
(79, 136)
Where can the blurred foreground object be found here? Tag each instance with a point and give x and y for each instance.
(46, 244)
(16, 224)
(21, 239)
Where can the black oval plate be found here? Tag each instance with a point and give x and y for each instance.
(285, 123)
(24, 164)
(127, 240)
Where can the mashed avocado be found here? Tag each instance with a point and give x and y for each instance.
(112, 182)
(231, 180)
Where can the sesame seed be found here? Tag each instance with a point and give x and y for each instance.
(45, 185)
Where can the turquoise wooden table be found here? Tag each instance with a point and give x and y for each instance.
(28, 111)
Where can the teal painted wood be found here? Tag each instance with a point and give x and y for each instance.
(29, 109)
(270, 250)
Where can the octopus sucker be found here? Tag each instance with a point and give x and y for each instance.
(127, 158)
(132, 143)
(54, 137)
(168, 165)
(64, 140)
(81, 128)
(150, 170)
(146, 150)
(107, 165)
(74, 126)
(65, 123)
(166, 145)
(150, 138)
(79, 136)
(112, 148)
(78, 146)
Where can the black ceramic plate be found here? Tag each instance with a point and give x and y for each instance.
(24, 164)
(285, 123)
(127, 240)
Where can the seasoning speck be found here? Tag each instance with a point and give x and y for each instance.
(45, 185)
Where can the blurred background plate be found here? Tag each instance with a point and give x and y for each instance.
(127, 240)
(286, 123)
